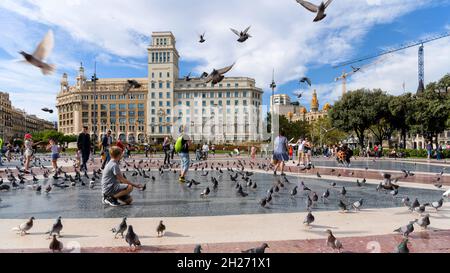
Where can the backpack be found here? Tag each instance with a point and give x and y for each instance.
(179, 144)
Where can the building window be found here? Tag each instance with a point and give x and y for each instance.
(153, 104)
(236, 94)
(112, 107)
(153, 95)
(168, 85)
(245, 94)
(160, 85)
(168, 73)
(168, 95)
(153, 85)
(132, 106)
(188, 103)
(168, 103)
(160, 95)
(160, 103)
(141, 106)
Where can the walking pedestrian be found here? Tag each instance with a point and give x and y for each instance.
(84, 147)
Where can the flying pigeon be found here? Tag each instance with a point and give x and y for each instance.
(188, 77)
(260, 249)
(132, 238)
(298, 94)
(47, 110)
(202, 38)
(243, 35)
(121, 228)
(42, 51)
(217, 76)
(320, 10)
(305, 80)
(24, 227)
(131, 84)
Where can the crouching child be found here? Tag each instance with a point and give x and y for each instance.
(114, 186)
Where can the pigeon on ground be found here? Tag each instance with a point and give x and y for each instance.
(56, 245)
(342, 206)
(205, 192)
(309, 219)
(423, 222)
(25, 227)
(260, 249)
(56, 228)
(243, 35)
(241, 192)
(198, 249)
(47, 110)
(406, 201)
(333, 242)
(325, 195)
(406, 230)
(437, 205)
(132, 238)
(343, 191)
(294, 191)
(121, 228)
(403, 246)
(217, 76)
(320, 10)
(263, 202)
(160, 229)
(358, 204)
(131, 84)
(43, 50)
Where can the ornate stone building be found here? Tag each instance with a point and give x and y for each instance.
(294, 112)
(15, 123)
(165, 103)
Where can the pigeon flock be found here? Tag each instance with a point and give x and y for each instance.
(239, 174)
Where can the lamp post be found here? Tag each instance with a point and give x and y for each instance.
(94, 80)
(272, 127)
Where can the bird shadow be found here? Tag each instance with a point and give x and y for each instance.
(323, 227)
(76, 236)
(167, 234)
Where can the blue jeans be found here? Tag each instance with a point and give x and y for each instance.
(185, 161)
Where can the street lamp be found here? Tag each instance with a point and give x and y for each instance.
(272, 86)
(94, 79)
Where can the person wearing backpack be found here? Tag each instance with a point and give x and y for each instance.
(182, 148)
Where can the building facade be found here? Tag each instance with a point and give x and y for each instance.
(164, 105)
(295, 112)
(15, 123)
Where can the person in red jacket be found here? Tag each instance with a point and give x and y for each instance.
(120, 144)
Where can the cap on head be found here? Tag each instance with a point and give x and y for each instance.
(28, 136)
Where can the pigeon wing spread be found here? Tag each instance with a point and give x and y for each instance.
(328, 3)
(45, 47)
(309, 6)
(246, 30)
(225, 69)
(236, 32)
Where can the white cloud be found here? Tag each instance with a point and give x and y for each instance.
(284, 36)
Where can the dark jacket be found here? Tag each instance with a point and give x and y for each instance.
(105, 141)
(84, 142)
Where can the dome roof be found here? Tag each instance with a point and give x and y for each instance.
(303, 110)
(326, 107)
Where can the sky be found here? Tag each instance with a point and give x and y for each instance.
(116, 35)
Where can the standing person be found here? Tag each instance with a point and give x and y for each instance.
(205, 150)
(213, 150)
(1, 151)
(439, 152)
(280, 152)
(182, 148)
(106, 144)
(114, 185)
(55, 149)
(429, 148)
(172, 150)
(84, 147)
(301, 154)
(291, 152)
(166, 150)
(253, 153)
(147, 149)
(28, 153)
(307, 150)
(120, 144)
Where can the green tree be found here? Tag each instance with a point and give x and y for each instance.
(356, 112)
(382, 124)
(402, 114)
(431, 114)
(322, 132)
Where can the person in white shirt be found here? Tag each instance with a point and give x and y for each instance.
(301, 154)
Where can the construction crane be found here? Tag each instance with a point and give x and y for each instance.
(343, 78)
(421, 58)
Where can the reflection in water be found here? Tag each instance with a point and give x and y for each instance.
(166, 197)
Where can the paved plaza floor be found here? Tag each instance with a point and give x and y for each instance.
(227, 222)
